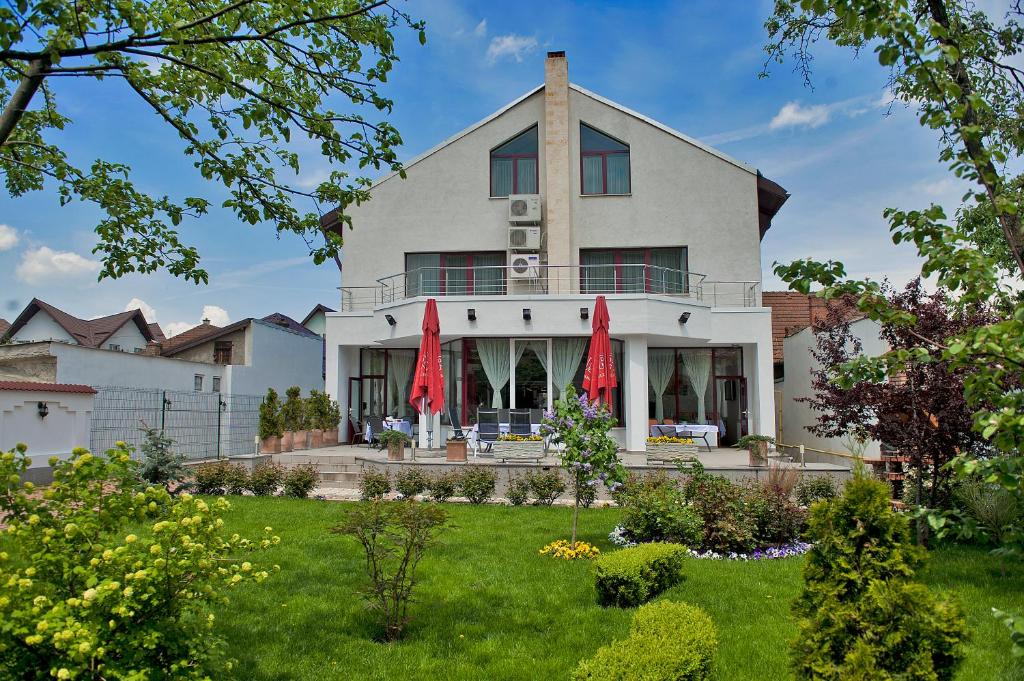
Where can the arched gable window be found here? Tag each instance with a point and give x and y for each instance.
(514, 165)
(604, 163)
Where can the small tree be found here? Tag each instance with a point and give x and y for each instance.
(293, 411)
(161, 465)
(587, 450)
(317, 410)
(270, 416)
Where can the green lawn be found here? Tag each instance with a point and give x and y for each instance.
(490, 608)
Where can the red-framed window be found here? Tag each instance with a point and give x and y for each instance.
(514, 165)
(634, 270)
(477, 273)
(604, 163)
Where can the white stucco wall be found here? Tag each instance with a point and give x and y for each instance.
(317, 323)
(276, 358)
(128, 337)
(65, 427)
(88, 366)
(796, 416)
(41, 327)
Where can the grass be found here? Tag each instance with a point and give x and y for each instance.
(490, 607)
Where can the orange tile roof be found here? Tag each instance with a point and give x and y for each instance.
(791, 311)
(47, 387)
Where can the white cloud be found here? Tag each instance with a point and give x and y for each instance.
(512, 46)
(8, 237)
(795, 114)
(42, 264)
(481, 29)
(218, 316)
(147, 310)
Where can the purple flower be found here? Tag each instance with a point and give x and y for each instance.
(592, 483)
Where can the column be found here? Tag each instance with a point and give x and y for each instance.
(634, 383)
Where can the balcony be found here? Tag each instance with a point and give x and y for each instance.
(550, 280)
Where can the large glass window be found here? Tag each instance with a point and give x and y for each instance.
(604, 163)
(634, 270)
(698, 385)
(514, 165)
(455, 274)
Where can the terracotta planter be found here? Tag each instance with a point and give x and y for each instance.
(396, 451)
(456, 450)
(299, 439)
(758, 454)
(286, 441)
(316, 438)
(270, 445)
(331, 437)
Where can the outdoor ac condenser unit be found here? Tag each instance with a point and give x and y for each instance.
(524, 209)
(524, 266)
(524, 238)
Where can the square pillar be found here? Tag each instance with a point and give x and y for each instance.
(635, 385)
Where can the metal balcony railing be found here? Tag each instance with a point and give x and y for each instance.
(506, 280)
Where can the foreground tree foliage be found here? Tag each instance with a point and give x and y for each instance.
(235, 80)
(83, 596)
(957, 66)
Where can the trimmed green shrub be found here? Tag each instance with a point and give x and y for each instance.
(477, 483)
(814, 488)
(860, 614)
(210, 478)
(655, 509)
(374, 484)
(410, 482)
(668, 642)
(301, 480)
(633, 576)
(236, 479)
(546, 486)
(518, 490)
(443, 486)
(293, 411)
(316, 410)
(265, 479)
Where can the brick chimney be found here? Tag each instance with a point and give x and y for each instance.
(558, 194)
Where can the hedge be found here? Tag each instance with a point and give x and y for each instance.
(669, 642)
(634, 576)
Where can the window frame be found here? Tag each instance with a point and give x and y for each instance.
(218, 349)
(515, 164)
(215, 384)
(604, 154)
(197, 382)
(470, 280)
(647, 251)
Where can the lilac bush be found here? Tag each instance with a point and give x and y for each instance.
(580, 429)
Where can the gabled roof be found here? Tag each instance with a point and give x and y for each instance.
(158, 333)
(312, 313)
(192, 337)
(91, 333)
(793, 311)
(286, 322)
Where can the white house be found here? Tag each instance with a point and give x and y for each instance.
(515, 225)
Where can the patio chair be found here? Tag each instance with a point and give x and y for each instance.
(536, 415)
(519, 422)
(358, 432)
(456, 425)
(503, 416)
(487, 429)
(376, 424)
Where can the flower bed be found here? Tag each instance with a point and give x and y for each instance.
(619, 537)
(511, 437)
(563, 549)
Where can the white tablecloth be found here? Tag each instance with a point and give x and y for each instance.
(404, 426)
(473, 440)
(694, 428)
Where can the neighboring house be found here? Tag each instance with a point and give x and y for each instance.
(125, 331)
(4, 325)
(316, 320)
(517, 223)
(791, 311)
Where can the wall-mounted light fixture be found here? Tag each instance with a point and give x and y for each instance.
(471, 314)
(685, 317)
(391, 320)
(43, 409)
(526, 314)
(584, 313)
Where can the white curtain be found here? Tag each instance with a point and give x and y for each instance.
(566, 354)
(697, 364)
(400, 364)
(493, 354)
(660, 366)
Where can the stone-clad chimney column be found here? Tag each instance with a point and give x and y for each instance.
(558, 195)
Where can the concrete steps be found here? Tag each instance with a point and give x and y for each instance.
(336, 470)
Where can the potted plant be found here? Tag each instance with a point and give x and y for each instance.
(395, 441)
(293, 418)
(270, 424)
(330, 425)
(670, 448)
(456, 448)
(757, 446)
(317, 405)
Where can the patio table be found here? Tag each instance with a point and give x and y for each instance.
(693, 430)
(404, 426)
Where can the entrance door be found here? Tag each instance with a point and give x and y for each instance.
(731, 393)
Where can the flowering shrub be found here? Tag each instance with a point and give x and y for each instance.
(210, 478)
(510, 437)
(669, 440)
(546, 486)
(477, 483)
(588, 452)
(83, 597)
(236, 478)
(566, 551)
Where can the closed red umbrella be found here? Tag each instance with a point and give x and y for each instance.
(599, 376)
(427, 394)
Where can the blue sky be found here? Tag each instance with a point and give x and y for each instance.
(843, 154)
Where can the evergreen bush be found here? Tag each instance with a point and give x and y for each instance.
(270, 416)
(630, 577)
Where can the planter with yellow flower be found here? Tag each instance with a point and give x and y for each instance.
(509, 446)
(668, 448)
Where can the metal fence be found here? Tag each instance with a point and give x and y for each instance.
(202, 425)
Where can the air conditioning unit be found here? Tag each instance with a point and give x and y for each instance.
(524, 266)
(524, 238)
(524, 209)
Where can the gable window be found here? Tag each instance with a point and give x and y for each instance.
(604, 163)
(514, 165)
(114, 346)
(634, 270)
(222, 352)
(216, 384)
(198, 382)
(455, 274)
